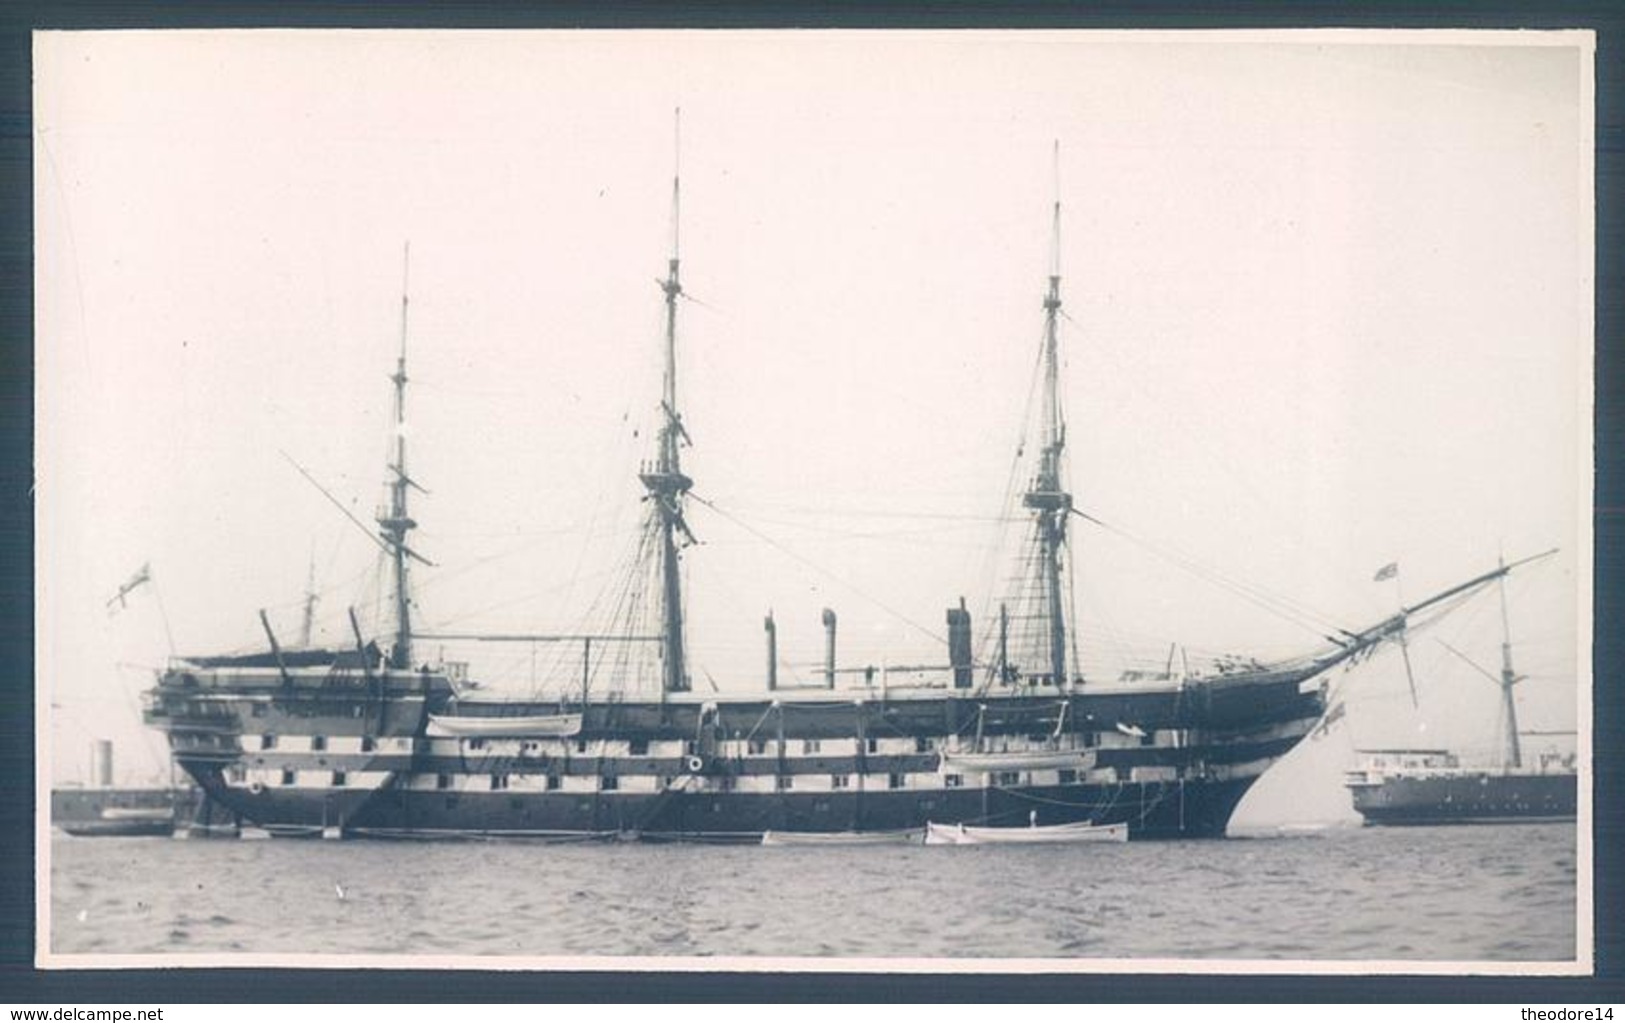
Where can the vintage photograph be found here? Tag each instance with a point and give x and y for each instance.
(1031, 501)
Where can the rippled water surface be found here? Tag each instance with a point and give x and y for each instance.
(1504, 893)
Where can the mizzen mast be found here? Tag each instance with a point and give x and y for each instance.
(1047, 496)
(666, 484)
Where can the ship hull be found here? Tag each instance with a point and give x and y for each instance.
(1151, 811)
(1470, 797)
(326, 752)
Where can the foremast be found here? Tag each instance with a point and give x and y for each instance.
(1047, 496)
(394, 521)
(666, 483)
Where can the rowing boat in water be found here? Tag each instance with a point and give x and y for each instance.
(904, 837)
(965, 834)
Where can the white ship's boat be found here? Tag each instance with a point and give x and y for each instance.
(553, 726)
(1018, 760)
(965, 834)
(904, 837)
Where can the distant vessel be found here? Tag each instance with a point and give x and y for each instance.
(1432, 786)
(124, 822)
(103, 810)
(379, 742)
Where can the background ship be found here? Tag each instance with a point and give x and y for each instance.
(376, 740)
(103, 810)
(1433, 786)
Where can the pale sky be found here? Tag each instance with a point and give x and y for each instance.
(1327, 296)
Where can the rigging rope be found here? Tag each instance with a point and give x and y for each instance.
(1282, 607)
(900, 616)
(1007, 503)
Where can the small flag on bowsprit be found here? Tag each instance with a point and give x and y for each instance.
(1387, 571)
(142, 576)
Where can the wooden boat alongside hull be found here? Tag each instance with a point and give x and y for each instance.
(1049, 834)
(495, 726)
(1033, 760)
(819, 838)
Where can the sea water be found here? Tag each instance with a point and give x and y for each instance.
(1504, 893)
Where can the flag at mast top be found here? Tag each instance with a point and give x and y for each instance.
(676, 173)
(142, 575)
(1055, 232)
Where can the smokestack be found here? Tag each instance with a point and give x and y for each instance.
(1006, 676)
(829, 649)
(101, 763)
(959, 645)
(772, 652)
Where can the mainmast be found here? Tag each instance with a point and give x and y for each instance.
(394, 522)
(667, 484)
(1048, 496)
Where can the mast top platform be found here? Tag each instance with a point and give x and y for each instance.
(666, 483)
(1047, 500)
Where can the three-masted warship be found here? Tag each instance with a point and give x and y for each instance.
(373, 740)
